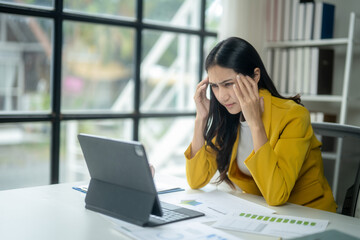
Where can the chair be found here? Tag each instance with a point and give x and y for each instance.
(327, 132)
(351, 206)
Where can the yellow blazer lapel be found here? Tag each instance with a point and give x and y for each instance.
(266, 117)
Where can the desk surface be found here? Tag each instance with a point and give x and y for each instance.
(58, 212)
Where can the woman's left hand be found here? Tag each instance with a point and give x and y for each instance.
(252, 105)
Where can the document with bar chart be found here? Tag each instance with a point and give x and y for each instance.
(271, 224)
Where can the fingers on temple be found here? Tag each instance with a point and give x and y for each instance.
(254, 85)
(243, 85)
(203, 83)
(251, 86)
(237, 88)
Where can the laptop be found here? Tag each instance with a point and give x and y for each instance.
(121, 183)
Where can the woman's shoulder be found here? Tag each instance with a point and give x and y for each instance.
(286, 104)
(288, 108)
(283, 106)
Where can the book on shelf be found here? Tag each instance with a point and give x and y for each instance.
(269, 61)
(304, 70)
(328, 142)
(299, 20)
(324, 20)
(287, 20)
(277, 68)
(322, 75)
(309, 20)
(294, 19)
(299, 77)
(314, 52)
(273, 16)
(270, 19)
(275, 11)
(292, 75)
(322, 117)
(279, 20)
(284, 71)
(307, 70)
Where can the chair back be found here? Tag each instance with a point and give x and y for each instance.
(351, 206)
(341, 153)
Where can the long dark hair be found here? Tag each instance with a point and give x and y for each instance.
(237, 54)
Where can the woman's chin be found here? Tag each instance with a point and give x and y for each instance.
(234, 111)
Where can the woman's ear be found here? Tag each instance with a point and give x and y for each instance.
(257, 75)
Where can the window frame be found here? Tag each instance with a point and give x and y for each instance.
(56, 116)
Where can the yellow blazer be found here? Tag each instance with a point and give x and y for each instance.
(287, 168)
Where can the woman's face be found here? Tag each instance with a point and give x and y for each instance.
(221, 81)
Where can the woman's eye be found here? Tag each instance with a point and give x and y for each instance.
(213, 86)
(228, 84)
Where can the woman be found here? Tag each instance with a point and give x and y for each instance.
(258, 140)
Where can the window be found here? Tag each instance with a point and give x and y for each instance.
(97, 67)
(120, 69)
(25, 62)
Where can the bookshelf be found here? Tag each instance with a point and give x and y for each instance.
(342, 99)
(348, 42)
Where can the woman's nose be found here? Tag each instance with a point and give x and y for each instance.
(223, 94)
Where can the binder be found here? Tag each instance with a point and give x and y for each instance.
(324, 20)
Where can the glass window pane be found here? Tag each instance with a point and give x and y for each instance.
(177, 13)
(169, 71)
(24, 155)
(98, 64)
(25, 63)
(72, 163)
(31, 3)
(209, 44)
(165, 141)
(213, 15)
(111, 9)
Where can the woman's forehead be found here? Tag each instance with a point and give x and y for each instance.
(219, 74)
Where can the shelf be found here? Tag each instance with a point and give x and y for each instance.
(308, 43)
(322, 98)
(318, 98)
(328, 155)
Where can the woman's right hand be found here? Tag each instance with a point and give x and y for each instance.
(201, 101)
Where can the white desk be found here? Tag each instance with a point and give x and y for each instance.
(58, 212)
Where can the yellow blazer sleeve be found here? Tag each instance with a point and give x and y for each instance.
(276, 165)
(201, 168)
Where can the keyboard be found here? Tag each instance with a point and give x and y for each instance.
(172, 213)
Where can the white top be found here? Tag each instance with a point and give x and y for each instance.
(245, 147)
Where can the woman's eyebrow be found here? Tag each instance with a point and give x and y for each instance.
(225, 81)
(222, 82)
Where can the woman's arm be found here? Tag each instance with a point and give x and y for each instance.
(252, 106)
(198, 140)
(201, 168)
(202, 111)
(200, 159)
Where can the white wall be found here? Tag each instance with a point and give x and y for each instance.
(245, 19)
